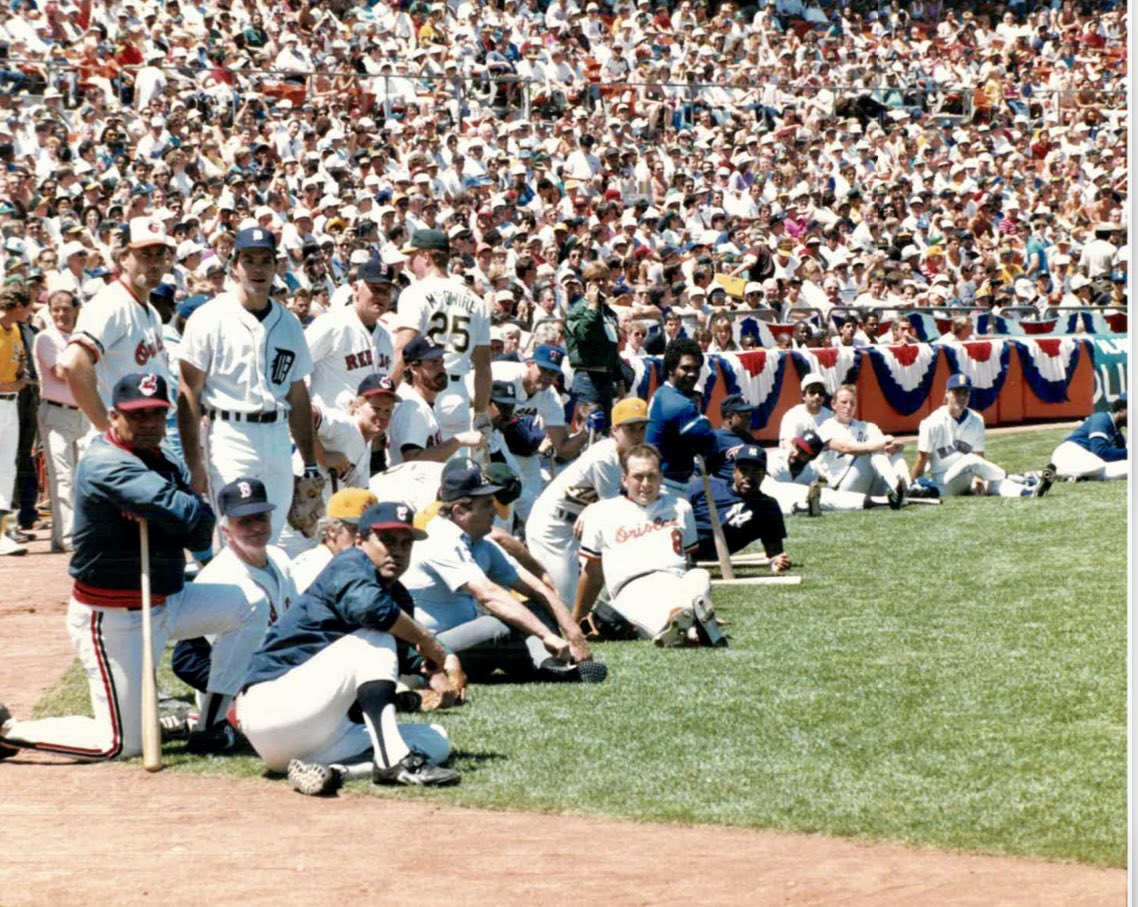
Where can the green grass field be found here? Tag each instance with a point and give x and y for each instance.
(949, 677)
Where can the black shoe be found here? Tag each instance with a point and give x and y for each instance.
(314, 779)
(897, 496)
(1046, 480)
(220, 739)
(414, 769)
(554, 671)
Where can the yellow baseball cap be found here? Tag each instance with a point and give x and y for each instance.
(349, 504)
(630, 409)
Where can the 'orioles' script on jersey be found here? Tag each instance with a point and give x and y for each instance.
(624, 533)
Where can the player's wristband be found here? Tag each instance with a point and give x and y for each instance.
(311, 471)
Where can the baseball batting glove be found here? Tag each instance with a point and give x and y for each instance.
(307, 501)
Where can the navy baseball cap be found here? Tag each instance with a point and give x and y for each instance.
(377, 386)
(462, 478)
(751, 453)
(504, 393)
(374, 271)
(809, 443)
(163, 293)
(140, 391)
(391, 515)
(191, 304)
(421, 349)
(254, 238)
(549, 357)
(244, 497)
(959, 380)
(735, 403)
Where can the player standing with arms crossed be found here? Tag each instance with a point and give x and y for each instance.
(441, 308)
(243, 361)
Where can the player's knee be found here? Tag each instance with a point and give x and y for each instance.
(429, 739)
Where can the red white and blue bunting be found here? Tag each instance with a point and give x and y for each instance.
(904, 374)
(757, 329)
(837, 364)
(757, 375)
(1048, 364)
(985, 362)
(644, 368)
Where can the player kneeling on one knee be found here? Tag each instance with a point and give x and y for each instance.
(320, 694)
(638, 547)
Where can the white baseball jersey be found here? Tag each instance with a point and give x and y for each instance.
(307, 565)
(544, 406)
(272, 583)
(415, 484)
(830, 463)
(249, 363)
(412, 422)
(797, 420)
(443, 309)
(344, 352)
(778, 469)
(338, 432)
(631, 540)
(596, 470)
(946, 440)
(124, 335)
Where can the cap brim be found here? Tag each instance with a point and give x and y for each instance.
(504, 401)
(149, 403)
(805, 448)
(633, 420)
(379, 392)
(417, 534)
(250, 509)
(156, 241)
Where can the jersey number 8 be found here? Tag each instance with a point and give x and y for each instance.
(458, 336)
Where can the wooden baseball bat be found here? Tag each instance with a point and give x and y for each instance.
(335, 480)
(151, 734)
(721, 551)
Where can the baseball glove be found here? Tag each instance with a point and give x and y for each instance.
(307, 503)
(445, 689)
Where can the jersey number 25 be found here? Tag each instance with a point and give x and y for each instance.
(457, 335)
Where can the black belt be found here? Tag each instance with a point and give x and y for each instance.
(226, 416)
(567, 515)
(8, 396)
(61, 405)
(457, 377)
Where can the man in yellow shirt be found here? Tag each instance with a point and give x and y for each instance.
(14, 301)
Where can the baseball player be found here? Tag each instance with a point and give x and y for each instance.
(416, 432)
(336, 531)
(676, 427)
(349, 343)
(123, 476)
(553, 527)
(243, 362)
(14, 300)
(1097, 448)
(746, 513)
(807, 415)
(733, 434)
(344, 445)
(462, 583)
(950, 443)
(442, 309)
(248, 562)
(414, 483)
(792, 480)
(637, 546)
(320, 693)
(119, 332)
(856, 455)
(537, 399)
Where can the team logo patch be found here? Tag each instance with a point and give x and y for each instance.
(402, 513)
(258, 235)
(246, 489)
(282, 365)
(154, 227)
(149, 385)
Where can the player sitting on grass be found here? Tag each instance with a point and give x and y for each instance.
(1097, 448)
(950, 442)
(638, 547)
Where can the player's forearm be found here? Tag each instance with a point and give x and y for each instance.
(80, 371)
(919, 466)
(300, 423)
(189, 427)
(588, 588)
(510, 611)
(482, 378)
(521, 554)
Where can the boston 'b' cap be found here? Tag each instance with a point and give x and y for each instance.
(391, 515)
(348, 504)
(375, 272)
(427, 240)
(735, 403)
(244, 497)
(751, 453)
(809, 443)
(254, 238)
(140, 391)
(959, 380)
(421, 349)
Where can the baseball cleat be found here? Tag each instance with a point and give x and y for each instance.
(313, 779)
(5, 720)
(1046, 480)
(814, 500)
(675, 633)
(554, 671)
(175, 726)
(896, 496)
(8, 547)
(414, 769)
(217, 740)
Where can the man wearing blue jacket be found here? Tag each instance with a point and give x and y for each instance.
(676, 426)
(124, 477)
(1097, 448)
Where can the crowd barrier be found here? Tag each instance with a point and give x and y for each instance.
(1014, 379)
